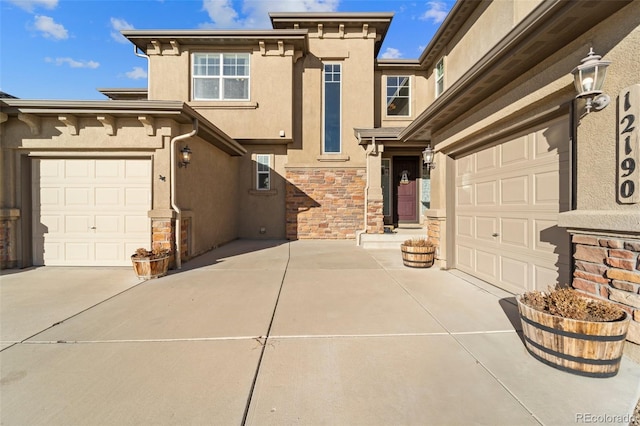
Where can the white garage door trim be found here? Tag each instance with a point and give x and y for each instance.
(507, 199)
(90, 212)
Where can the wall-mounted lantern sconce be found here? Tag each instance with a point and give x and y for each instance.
(427, 158)
(588, 78)
(185, 156)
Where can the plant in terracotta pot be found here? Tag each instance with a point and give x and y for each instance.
(149, 264)
(418, 253)
(573, 333)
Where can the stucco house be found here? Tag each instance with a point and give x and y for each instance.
(300, 132)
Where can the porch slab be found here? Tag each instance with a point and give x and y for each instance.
(127, 383)
(329, 255)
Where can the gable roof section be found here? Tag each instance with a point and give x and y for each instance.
(176, 110)
(143, 39)
(306, 20)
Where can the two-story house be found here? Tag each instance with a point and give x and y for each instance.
(300, 132)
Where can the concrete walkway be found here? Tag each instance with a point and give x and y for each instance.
(275, 333)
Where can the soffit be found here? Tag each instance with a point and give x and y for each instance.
(143, 38)
(547, 29)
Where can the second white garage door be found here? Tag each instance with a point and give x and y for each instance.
(508, 197)
(90, 212)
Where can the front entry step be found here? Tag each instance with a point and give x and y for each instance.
(392, 238)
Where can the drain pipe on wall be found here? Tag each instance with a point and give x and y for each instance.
(142, 55)
(174, 206)
(371, 150)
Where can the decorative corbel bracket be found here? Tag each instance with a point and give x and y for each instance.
(281, 47)
(32, 121)
(149, 124)
(157, 47)
(341, 30)
(263, 47)
(176, 47)
(109, 123)
(297, 55)
(365, 30)
(71, 121)
(320, 30)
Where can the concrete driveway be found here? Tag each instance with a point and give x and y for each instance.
(262, 333)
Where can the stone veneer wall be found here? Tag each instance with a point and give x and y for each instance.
(375, 217)
(609, 268)
(7, 260)
(324, 203)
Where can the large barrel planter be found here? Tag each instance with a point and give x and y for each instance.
(417, 257)
(147, 269)
(585, 348)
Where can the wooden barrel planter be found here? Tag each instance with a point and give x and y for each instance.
(147, 269)
(585, 348)
(417, 257)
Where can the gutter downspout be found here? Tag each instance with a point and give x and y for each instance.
(371, 149)
(141, 55)
(174, 206)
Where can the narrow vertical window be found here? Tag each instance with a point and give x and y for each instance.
(332, 105)
(398, 96)
(263, 171)
(439, 77)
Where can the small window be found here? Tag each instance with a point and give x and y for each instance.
(439, 77)
(398, 96)
(263, 172)
(221, 76)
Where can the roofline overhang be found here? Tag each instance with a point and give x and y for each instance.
(176, 110)
(142, 38)
(501, 61)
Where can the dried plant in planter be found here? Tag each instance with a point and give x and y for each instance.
(156, 253)
(568, 303)
(418, 242)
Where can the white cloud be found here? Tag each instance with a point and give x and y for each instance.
(73, 63)
(30, 5)
(119, 25)
(255, 13)
(49, 28)
(136, 74)
(391, 53)
(436, 12)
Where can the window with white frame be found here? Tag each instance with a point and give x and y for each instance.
(220, 76)
(263, 172)
(439, 77)
(332, 143)
(398, 96)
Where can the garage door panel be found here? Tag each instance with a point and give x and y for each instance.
(515, 231)
(514, 190)
(514, 152)
(531, 188)
(92, 210)
(487, 194)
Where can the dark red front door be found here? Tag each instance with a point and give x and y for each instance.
(405, 175)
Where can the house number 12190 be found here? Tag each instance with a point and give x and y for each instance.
(629, 146)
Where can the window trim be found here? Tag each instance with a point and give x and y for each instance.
(220, 76)
(440, 78)
(324, 93)
(386, 96)
(267, 172)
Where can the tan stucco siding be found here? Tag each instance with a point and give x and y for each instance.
(207, 190)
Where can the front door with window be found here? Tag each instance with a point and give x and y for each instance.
(405, 183)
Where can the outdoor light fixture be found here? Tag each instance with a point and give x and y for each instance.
(185, 156)
(427, 158)
(589, 78)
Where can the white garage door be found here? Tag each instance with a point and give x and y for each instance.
(508, 197)
(90, 212)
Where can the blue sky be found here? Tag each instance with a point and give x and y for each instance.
(65, 49)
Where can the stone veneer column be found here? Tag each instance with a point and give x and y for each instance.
(609, 268)
(375, 217)
(324, 203)
(436, 233)
(163, 232)
(8, 238)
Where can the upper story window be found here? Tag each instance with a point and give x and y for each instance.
(221, 76)
(439, 77)
(398, 96)
(263, 172)
(332, 108)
